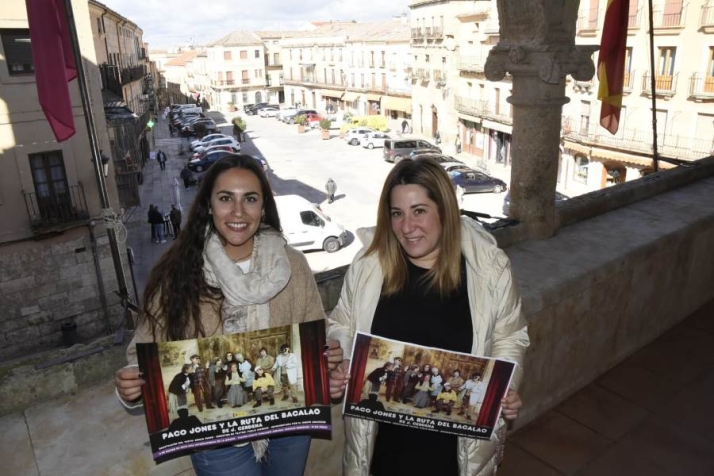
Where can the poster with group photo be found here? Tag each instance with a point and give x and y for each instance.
(231, 389)
(426, 388)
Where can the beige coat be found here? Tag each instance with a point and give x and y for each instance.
(298, 302)
(499, 329)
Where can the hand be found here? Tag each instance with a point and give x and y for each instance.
(511, 403)
(128, 382)
(339, 377)
(334, 354)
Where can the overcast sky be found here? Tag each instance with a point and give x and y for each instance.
(169, 23)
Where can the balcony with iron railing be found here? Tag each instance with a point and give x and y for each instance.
(706, 20)
(436, 33)
(132, 73)
(633, 20)
(701, 86)
(471, 64)
(63, 208)
(484, 109)
(587, 24)
(665, 85)
(223, 82)
(417, 34)
(491, 28)
(427, 32)
(439, 76)
(111, 79)
(628, 81)
(640, 141)
(670, 15)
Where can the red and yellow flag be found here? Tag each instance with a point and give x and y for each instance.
(611, 63)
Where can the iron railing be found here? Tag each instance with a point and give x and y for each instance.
(665, 85)
(628, 81)
(701, 86)
(638, 140)
(474, 64)
(64, 207)
(484, 109)
(707, 17)
(417, 34)
(111, 79)
(132, 73)
(669, 15)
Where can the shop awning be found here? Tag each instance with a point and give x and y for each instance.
(577, 148)
(466, 117)
(328, 93)
(497, 126)
(606, 154)
(392, 103)
(374, 97)
(350, 96)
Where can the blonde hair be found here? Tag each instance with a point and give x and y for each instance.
(445, 275)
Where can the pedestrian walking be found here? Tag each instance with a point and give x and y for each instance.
(151, 225)
(156, 218)
(405, 126)
(171, 129)
(331, 188)
(457, 143)
(437, 138)
(175, 217)
(186, 177)
(161, 158)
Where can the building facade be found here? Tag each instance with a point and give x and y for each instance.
(684, 91)
(56, 271)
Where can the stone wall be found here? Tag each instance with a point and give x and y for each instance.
(46, 283)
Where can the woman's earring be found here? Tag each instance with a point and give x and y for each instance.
(210, 211)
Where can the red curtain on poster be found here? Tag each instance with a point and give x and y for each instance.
(359, 365)
(314, 364)
(155, 404)
(500, 376)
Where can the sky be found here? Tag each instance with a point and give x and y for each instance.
(168, 23)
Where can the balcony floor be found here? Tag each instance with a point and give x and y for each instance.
(652, 415)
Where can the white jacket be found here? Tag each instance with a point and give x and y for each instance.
(499, 330)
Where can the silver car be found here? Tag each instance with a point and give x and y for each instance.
(373, 139)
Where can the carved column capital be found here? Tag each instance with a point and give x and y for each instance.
(550, 63)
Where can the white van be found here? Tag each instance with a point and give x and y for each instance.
(306, 227)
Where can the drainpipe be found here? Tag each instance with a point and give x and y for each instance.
(98, 271)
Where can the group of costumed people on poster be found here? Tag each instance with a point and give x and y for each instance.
(231, 270)
(234, 381)
(424, 386)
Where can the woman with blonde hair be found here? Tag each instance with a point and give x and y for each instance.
(433, 278)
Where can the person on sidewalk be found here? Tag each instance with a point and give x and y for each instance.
(186, 177)
(156, 218)
(151, 224)
(405, 126)
(331, 188)
(437, 138)
(201, 287)
(175, 217)
(171, 129)
(161, 159)
(457, 143)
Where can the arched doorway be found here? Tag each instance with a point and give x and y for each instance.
(258, 97)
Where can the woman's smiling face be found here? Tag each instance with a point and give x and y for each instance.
(237, 209)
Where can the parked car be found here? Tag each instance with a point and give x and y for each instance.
(453, 165)
(307, 227)
(220, 141)
(246, 107)
(354, 136)
(290, 119)
(253, 110)
(201, 126)
(473, 181)
(206, 140)
(373, 139)
(398, 149)
(227, 147)
(211, 158)
(313, 119)
(559, 197)
(287, 112)
(270, 111)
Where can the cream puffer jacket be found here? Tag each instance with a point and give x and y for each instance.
(499, 329)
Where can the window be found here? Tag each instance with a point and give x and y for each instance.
(276, 59)
(384, 59)
(275, 42)
(229, 77)
(310, 218)
(245, 77)
(333, 76)
(371, 59)
(361, 80)
(352, 77)
(257, 53)
(243, 54)
(245, 98)
(99, 25)
(50, 180)
(584, 117)
(324, 76)
(665, 67)
(374, 81)
(628, 68)
(384, 81)
(227, 55)
(709, 79)
(18, 52)
(581, 168)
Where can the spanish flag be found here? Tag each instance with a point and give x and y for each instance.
(53, 60)
(611, 63)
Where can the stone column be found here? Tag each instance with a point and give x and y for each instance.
(537, 48)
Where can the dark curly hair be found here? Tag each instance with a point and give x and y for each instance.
(176, 285)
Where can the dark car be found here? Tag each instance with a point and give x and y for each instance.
(201, 127)
(246, 107)
(398, 149)
(473, 181)
(252, 110)
(214, 156)
(559, 197)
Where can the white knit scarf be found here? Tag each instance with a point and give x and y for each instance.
(247, 295)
